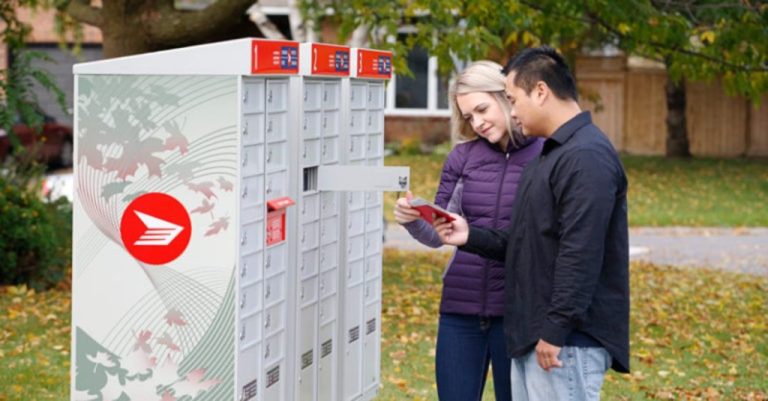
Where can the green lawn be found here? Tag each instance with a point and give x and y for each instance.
(662, 192)
(696, 334)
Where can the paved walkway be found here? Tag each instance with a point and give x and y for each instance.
(742, 250)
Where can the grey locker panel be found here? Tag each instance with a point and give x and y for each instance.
(249, 332)
(251, 191)
(252, 237)
(312, 95)
(356, 222)
(329, 150)
(274, 319)
(353, 333)
(310, 152)
(374, 123)
(308, 263)
(373, 198)
(373, 242)
(253, 96)
(328, 283)
(308, 235)
(373, 266)
(373, 218)
(277, 156)
(358, 95)
(376, 96)
(355, 200)
(250, 300)
(329, 230)
(310, 207)
(277, 95)
(250, 268)
(276, 185)
(308, 291)
(328, 309)
(329, 203)
(372, 291)
(355, 247)
(355, 272)
(330, 123)
(274, 290)
(274, 380)
(331, 95)
(277, 124)
(356, 148)
(252, 129)
(253, 212)
(248, 373)
(276, 259)
(374, 146)
(252, 160)
(358, 122)
(326, 369)
(371, 347)
(311, 126)
(306, 354)
(329, 256)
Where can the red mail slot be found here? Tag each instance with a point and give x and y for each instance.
(276, 219)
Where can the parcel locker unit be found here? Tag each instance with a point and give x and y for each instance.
(209, 225)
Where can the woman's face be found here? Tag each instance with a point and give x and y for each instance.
(484, 114)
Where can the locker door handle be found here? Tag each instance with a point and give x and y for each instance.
(266, 352)
(245, 96)
(269, 155)
(304, 155)
(268, 263)
(306, 94)
(245, 159)
(269, 126)
(368, 145)
(325, 121)
(242, 302)
(301, 293)
(268, 291)
(305, 123)
(267, 323)
(269, 96)
(325, 95)
(325, 148)
(352, 121)
(245, 191)
(303, 236)
(245, 128)
(244, 271)
(369, 120)
(242, 334)
(352, 145)
(322, 284)
(244, 239)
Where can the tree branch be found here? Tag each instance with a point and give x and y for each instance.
(181, 27)
(82, 11)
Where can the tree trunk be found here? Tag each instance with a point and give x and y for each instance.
(677, 132)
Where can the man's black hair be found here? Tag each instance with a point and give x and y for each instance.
(542, 64)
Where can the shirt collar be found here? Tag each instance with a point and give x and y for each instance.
(566, 131)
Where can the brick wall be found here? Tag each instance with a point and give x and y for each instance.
(430, 130)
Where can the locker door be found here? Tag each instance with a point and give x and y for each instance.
(248, 373)
(371, 348)
(326, 368)
(306, 354)
(274, 382)
(353, 342)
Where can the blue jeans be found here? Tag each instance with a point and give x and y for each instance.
(580, 378)
(466, 346)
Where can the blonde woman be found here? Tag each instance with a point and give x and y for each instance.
(479, 181)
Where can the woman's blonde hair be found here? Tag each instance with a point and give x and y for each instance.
(481, 76)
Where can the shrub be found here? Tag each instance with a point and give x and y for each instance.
(35, 237)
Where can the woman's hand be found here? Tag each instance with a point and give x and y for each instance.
(404, 213)
(454, 232)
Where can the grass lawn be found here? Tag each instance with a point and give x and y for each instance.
(696, 335)
(662, 192)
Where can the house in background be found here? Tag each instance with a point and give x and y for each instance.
(632, 106)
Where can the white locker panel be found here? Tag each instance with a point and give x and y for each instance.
(252, 212)
(311, 126)
(329, 230)
(373, 266)
(357, 95)
(373, 198)
(355, 272)
(373, 242)
(305, 358)
(374, 122)
(250, 268)
(310, 152)
(374, 146)
(252, 160)
(308, 264)
(329, 203)
(355, 200)
(310, 207)
(372, 346)
(274, 319)
(277, 156)
(355, 247)
(356, 222)
(253, 129)
(331, 95)
(329, 256)
(253, 96)
(274, 382)
(274, 290)
(308, 234)
(276, 259)
(328, 309)
(372, 291)
(308, 291)
(248, 373)
(373, 218)
(328, 282)
(277, 124)
(251, 237)
(356, 149)
(353, 342)
(312, 95)
(251, 192)
(277, 95)
(329, 151)
(330, 123)
(250, 299)
(326, 369)
(375, 96)
(276, 185)
(250, 331)
(357, 122)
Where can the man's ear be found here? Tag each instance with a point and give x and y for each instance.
(541, 92)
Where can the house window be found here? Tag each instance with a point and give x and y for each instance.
(423, 94)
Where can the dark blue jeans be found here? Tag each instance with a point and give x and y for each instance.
(466, 346)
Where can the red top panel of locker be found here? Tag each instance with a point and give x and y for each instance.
(324, 59)
(368, 63)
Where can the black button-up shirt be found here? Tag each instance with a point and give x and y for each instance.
(567, 249)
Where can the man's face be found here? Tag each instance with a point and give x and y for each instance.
(525, 111)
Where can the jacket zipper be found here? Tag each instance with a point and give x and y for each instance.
(495, 224)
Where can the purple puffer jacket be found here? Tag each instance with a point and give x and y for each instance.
(478, 181)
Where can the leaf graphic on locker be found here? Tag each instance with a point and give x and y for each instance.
(167, 396)
(204, 208)
(168, 342)
(113, 389)
(142, 341)
(130, 197)
(203, 188)
(184, 170)
(176, 140)
(194, 384)
(226, 185)
(166, 373)
(174, 317)
(141, 389)
(135, 154)
(138, 364)
(89, 150)
(221, 224)
(102, 359)
(113, 188)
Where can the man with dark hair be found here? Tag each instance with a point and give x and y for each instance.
(566, 250)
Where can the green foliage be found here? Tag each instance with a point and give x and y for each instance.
(35, 239)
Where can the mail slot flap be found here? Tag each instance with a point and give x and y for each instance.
(279, 203)
(363, 178)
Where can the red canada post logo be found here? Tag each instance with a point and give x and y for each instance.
(155, 228)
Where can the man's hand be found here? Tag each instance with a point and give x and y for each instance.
(404, 213)
(546, 355)
(455, 232)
